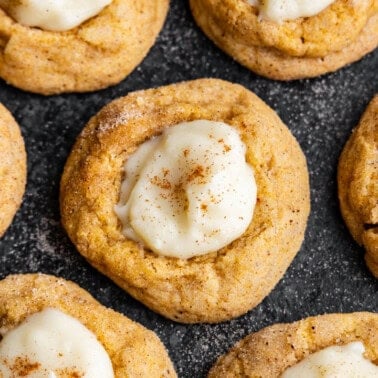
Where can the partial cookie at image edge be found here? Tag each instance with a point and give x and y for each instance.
(358, 184)
(134, 351)
(269, 352)
(12, 168)
(87, 58)
(277, 65)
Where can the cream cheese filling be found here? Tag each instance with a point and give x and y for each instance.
(335, 362)
(54, 15)
(282, 10)
(189, 191)
(51, 344)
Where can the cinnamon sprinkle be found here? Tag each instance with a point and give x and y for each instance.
(22, 366)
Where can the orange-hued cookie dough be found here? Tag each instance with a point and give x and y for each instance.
(269, 352)
(209, 288)
(133, 350)
(12, 168)
(98, 53)
(358, 184)
(342, 33)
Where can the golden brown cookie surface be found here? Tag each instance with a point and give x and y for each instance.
(12, 168)
(133, 350)
(269, 352)
(343, 33)
(99, 53)
(217, 286)
(358, 184)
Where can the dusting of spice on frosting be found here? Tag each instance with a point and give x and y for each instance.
(189, 191)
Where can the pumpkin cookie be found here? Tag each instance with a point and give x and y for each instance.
(98, 53)
(273, 351)
(358, 184)
(288, 49)
(133, 350)
(218, 283)
(12, 168)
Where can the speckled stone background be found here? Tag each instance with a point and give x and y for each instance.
(328, 274)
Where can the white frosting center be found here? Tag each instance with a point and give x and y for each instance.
(281, 10)
(189, 191)
(335, 362)
(51, 344)
(55, 15)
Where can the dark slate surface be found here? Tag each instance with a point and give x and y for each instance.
(328, 274)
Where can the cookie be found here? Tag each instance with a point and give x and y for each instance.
(216, 286)
(269, 352)
(305, 47)
(96, 54)
(12, 168)
(358, 184)
(134, 351)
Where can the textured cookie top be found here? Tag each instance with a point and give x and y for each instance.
(331, 30)
(133, 350)
(12, 168)
(216, 286)
(358, 184)
(94, 55)
(269, 352)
